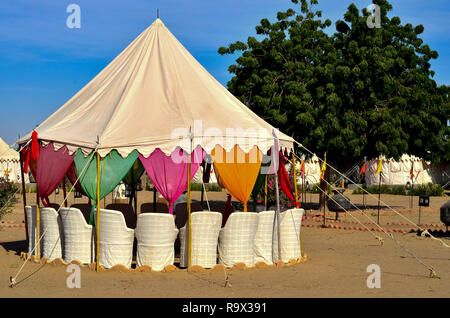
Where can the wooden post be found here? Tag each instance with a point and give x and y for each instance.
(379, 198)
(295, 177)
(135, 199)
(38, 224)
(324, 191)
(98, 212)
(154, 198)
(265, 192)
(24, 198)
(201, 198)
(64, 191)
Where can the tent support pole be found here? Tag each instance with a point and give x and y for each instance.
(98, 213)
(189, 204)
(201, 199)
(295, 177)
(379, 197)
(24, 198)
(277, 212)
(154, 198)
(64, 191)
(38, 223)
(265, 192)
(296, 201)
(135, 199)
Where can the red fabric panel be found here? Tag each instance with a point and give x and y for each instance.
(228, 210)
(52, 166)
(73, 176)
(283, 178)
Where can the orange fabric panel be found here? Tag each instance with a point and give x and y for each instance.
(238, 170)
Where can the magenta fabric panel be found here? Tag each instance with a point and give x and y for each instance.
(52, 166)
(169, 173)
(73, 176)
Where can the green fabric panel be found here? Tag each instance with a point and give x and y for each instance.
(258, 185)
(113, 169)
(134, 174)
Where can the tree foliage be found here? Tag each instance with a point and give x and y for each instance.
(359, 92)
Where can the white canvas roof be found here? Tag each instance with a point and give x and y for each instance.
(6, 153)
(151, 89)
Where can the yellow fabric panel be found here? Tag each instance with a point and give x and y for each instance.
(238, 170)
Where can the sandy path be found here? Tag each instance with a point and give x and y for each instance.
(336, 267)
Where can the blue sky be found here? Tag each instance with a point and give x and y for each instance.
(43, 63)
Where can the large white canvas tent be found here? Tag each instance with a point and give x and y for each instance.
(10, 161)
(149, 97)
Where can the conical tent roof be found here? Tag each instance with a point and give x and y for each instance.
(149, 97)
(6, 153)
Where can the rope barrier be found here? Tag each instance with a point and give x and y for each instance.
(398, 213)
(430, 269)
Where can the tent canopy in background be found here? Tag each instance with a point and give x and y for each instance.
(10, 160)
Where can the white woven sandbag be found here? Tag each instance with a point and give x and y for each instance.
(116, 240)
(236, 239)
(79, 237)
(31, 213)
(205, 228)
(51, 234)
(155, 234)
(263, 237)
(290, 225)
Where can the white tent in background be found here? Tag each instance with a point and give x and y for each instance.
(398, 172)
(10, 162)
(149, 97)
(312, 170)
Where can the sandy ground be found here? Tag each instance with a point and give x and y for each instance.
(336, 266)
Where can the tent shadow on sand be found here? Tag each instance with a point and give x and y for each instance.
(16, 246)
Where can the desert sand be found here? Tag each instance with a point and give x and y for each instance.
(337, 260)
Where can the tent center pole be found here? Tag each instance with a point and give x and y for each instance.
(98, 213)
(24, 198)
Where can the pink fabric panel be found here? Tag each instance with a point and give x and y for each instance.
(169, 173)
(52, 166)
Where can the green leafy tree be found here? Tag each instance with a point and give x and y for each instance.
(360, 92)
(387, 86)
